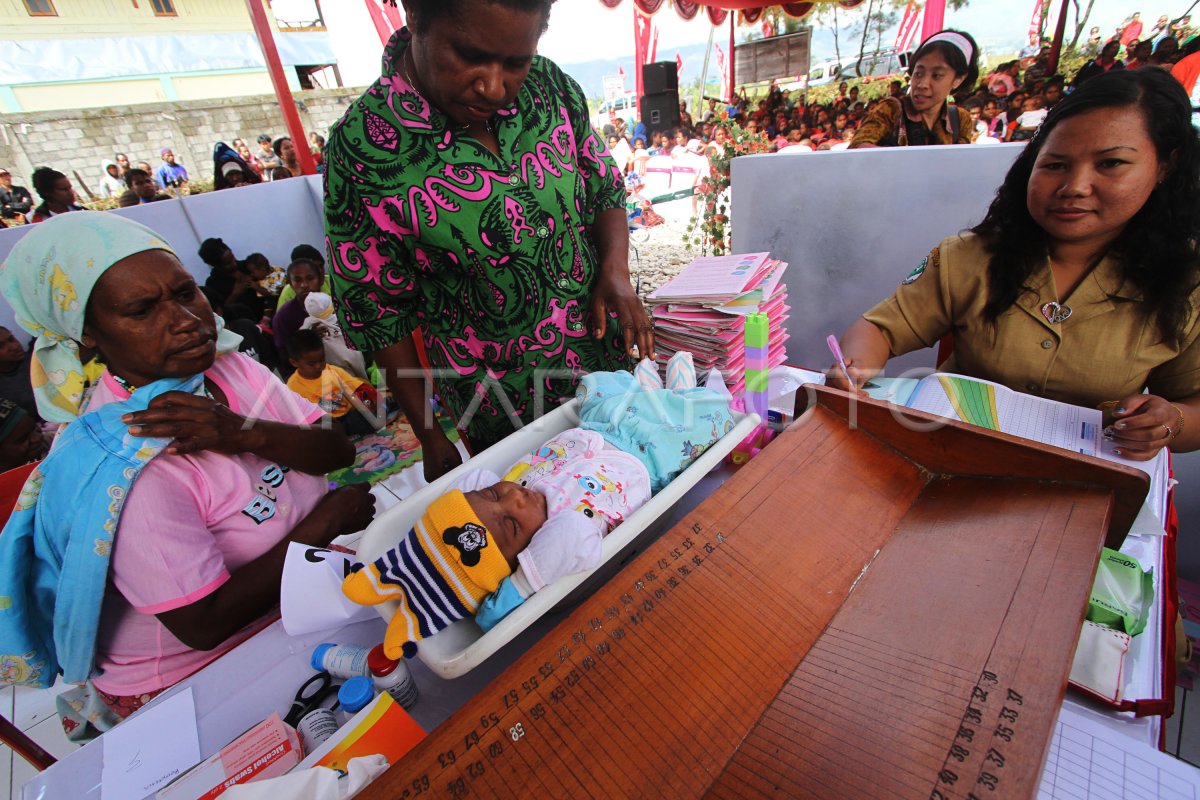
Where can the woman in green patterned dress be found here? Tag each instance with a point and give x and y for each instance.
(468, 199)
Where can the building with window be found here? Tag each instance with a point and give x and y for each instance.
(72, 54)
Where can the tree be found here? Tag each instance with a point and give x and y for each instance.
(1080, 21)
(868, 25)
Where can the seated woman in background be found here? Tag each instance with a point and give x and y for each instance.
(230, 282)
(1082, 283)
(57, 195)
(230, 170)
(164, 511)
(945, 64)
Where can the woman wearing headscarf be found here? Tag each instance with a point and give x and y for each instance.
(468, 200)
(230, 170)
(153, 535)
(945, 65)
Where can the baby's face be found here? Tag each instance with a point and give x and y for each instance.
(511, 513)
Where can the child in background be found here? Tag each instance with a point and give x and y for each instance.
(321, 319)
(338, 393)
(1033, 116)
(304, 252)
(303, 277)
(21, 439)
(505, 539)
(270, 279)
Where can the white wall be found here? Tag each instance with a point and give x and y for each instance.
(853, 224)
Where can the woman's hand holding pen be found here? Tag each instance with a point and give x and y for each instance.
(835, 376)
(863, 350)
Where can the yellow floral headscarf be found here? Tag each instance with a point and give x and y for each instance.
(48, 278)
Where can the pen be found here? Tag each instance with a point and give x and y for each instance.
(836, 349)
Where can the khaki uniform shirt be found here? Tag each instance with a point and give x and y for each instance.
(1106, 350)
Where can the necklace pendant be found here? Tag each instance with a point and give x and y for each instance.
(1056, 313)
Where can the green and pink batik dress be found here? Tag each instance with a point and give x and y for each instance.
(488, 256)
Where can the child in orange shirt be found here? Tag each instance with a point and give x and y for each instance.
(337, 392)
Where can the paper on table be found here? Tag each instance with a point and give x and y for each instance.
(1085, 756)
(311, 597)
(146, 751)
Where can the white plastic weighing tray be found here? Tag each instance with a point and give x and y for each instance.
(460, 648)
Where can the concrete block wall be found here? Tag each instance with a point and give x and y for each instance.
(71, 141)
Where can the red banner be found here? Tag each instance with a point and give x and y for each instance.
(1035, 21)
(908, 27)
(717, 15)
(688, 9)
(724, 73)
(385, 17)
(642, 26)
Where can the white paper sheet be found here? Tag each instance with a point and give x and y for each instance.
(311, 597)
(1087, 759)
(146, 751)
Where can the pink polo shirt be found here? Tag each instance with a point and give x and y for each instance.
(190, 521)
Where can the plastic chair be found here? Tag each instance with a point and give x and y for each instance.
(10, 489)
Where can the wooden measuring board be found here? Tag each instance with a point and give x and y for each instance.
(857, 612)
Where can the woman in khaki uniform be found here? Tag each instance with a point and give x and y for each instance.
(1082, 283)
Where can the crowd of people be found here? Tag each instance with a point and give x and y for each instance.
(1008, 103)
(132, 184)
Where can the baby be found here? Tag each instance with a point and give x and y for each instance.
(485, 547)
(319, 307)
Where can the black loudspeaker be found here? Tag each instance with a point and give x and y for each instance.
(659, 77)
(660, 112)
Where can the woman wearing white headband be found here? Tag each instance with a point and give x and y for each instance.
(945, 63)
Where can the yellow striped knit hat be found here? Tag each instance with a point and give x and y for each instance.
(439, 573)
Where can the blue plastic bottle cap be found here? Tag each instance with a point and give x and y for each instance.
(318, 656)
(356, 693)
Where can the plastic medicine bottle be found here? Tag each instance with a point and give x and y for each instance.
(392, 677)
(315, 727)
(354, 696)
(343, 661)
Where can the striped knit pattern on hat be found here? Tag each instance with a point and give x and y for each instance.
(439, 573)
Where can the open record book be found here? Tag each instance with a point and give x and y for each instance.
(990, 405)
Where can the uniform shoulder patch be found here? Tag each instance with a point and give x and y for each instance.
(916, 273)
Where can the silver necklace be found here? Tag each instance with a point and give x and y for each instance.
(488, 125)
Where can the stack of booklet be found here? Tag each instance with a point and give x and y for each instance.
(703, 310)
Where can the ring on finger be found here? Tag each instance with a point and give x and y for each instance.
(1170, 433)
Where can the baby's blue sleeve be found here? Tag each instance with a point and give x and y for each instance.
(498, 605)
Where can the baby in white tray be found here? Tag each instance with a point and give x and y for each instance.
(483, 548)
